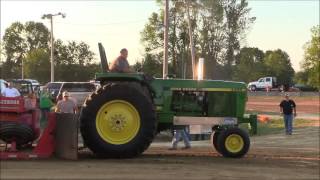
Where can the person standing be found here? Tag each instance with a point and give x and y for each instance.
(10, 91)
(180, 131)
(288, 110)
(66, 105)
(45, 104)
(121, 64)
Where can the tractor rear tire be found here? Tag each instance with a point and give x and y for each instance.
(233, 142)
(118, 121)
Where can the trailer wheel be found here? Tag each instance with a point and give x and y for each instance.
(19, 132)
(214, 140)
(233, 142)
(118, 121)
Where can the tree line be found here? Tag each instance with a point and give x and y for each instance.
(218, 29)
(310, 73)
(28, 44)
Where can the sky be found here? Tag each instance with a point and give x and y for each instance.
(280, 24)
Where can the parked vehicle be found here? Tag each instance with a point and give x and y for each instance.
(263, 83)
(34, 82)
(23, 86)
(53, 88)
(78, 91)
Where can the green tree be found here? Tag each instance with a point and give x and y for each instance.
(151, 66)
(18, 40)
(311, 63)
(278, 64)
(72, 53)
(152, 34)
(209, 28)
(36, 35)
(74, 61)
(301, 77)
(249, 65)
(37, 65)
(212, 37)
(14, 48)
(237, 22)
(29, 43)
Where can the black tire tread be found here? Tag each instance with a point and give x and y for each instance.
(21, 133)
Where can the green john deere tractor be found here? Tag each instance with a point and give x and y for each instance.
(121, 119)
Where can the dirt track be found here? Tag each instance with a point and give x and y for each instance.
(270, 157)
(275, 156)
(309, 105)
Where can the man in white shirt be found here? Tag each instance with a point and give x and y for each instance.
(10, 91)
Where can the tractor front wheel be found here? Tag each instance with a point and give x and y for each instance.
(233, 142)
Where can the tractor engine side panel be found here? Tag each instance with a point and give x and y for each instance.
(198, 98)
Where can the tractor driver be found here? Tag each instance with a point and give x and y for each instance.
(121, 64)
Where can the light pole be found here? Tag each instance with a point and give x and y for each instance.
(50, 16)
(166, 30)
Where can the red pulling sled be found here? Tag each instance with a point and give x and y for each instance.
(20, 128)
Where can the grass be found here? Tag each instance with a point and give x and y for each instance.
(276, 126)
(260, 112)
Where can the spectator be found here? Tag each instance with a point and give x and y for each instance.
(121, 64)
(30, 102)
(66, 105)
(45, 103)
(287, 106)
(10, 91)
(180, 131)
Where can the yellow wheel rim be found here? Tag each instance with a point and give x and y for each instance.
(234, 143)
(118, 122)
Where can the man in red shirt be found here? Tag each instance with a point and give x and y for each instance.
(121, 64)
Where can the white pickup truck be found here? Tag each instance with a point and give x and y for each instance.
(78, 91)
(263, 83)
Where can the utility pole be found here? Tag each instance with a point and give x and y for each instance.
(22, 70)
(50, 16)
(166, 30)
(193, 56)
(51, 53)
